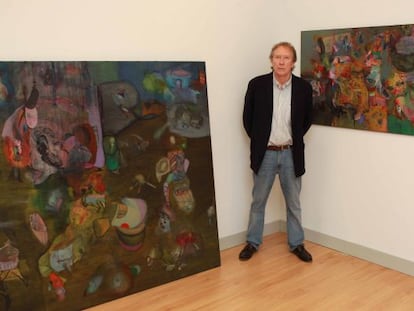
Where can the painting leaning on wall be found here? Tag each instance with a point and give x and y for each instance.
(106, 180)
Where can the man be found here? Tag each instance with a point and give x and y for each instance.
(277, 114)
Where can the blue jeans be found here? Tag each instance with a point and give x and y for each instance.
(276, 163)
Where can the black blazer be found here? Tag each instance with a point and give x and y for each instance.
(257, 118)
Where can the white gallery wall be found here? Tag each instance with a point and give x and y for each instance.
(358, 186)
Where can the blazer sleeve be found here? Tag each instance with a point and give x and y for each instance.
(248, 109)
(308, 107)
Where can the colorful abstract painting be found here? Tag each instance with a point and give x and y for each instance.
(362, 78)
(106, 180)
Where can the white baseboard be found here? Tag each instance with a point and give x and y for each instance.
(240, 238)
(348, 248)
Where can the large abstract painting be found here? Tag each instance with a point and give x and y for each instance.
(362, 78)
(106, 180)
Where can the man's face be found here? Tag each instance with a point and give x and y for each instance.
(282, 62)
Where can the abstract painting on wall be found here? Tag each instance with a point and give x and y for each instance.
(106, 180)
(362, 78)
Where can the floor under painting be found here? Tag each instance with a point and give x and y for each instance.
(106, 181)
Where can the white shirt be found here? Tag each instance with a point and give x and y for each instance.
(281, 133)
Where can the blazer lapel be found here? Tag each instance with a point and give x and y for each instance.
(269, 91)
(293, 97)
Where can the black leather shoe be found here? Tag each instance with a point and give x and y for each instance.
(247, 252)
(302, 253)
